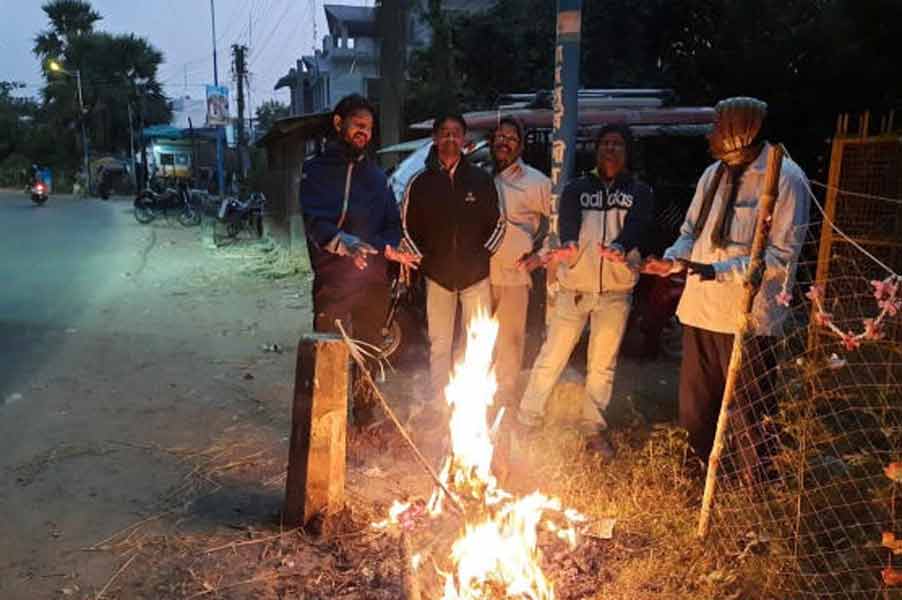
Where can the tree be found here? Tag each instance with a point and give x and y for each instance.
(69, 19)
(269, 112)
(435, 86)
(118, 72)
(809, 59)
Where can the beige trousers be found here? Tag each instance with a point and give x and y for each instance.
(509, 303)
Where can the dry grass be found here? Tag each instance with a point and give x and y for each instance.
(218, 533)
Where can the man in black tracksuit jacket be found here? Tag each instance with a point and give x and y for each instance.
(452, 220)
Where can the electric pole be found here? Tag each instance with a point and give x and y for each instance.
(392, 23)
(215, 65)
(240, 67)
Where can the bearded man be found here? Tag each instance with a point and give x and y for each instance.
(353, 227)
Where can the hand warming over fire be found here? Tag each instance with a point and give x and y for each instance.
(611, 253)
(408, 259)
(705, 271)
(662, 267)
(531, 261)
(566, 253)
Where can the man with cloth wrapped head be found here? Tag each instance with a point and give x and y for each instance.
(714, 246)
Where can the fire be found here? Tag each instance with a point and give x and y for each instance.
(497, 554)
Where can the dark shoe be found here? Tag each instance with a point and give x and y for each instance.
(599, 444)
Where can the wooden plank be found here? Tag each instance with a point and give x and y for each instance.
(316, 462)
(825, 246)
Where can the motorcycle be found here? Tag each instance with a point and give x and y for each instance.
(39, 193)
(237, 216)
(151, 204)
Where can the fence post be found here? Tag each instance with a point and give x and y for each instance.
(752, 284)
(316, 462)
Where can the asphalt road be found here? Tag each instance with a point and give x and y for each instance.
(117, 339)
(56, 261)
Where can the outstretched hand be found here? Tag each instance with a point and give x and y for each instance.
(652, 265)
(408, 259)
(531, 261)
(360, 252)
(705, 271)
(611, 253)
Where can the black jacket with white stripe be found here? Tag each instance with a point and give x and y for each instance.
(452, 220)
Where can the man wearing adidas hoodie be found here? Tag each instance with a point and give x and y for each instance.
(603, 218)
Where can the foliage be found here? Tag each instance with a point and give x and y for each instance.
(809, 59)
(269, 112)
(118, 73)
(69, 19)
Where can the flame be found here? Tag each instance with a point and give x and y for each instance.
(498, 550)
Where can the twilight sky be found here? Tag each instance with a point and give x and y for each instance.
(280, 31)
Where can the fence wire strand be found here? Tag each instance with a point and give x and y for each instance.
(816, 421)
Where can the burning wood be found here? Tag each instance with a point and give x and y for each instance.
(496, 552)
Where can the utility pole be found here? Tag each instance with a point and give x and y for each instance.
(565, 120)
(131, 146)
(220, 131)
(84, 133)
(392, 23)
(215, 65)
(240, 74)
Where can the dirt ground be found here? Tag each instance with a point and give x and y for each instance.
(146, 457)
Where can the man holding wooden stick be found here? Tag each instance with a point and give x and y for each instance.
(714, 248)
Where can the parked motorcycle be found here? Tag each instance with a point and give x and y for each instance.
(39, 193)
(235, 216)
(151, 204)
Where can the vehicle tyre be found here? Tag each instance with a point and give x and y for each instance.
(391, 339)
(144, 212)
(38, 199)
(189, 217)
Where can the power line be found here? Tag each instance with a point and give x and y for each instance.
(257, 53)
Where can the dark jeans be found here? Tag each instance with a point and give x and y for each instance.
(703, 375)
(362, 311)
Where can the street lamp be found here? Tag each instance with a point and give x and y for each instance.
(56, 67)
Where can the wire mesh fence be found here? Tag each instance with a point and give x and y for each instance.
(809, 480)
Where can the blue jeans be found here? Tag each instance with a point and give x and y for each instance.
(607, 315)
(441, 310)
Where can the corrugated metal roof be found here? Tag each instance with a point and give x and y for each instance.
(311, 125)
(541, 118)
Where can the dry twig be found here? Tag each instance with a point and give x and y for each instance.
(115, 575)
(355, 354)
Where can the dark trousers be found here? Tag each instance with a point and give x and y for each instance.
(703, 375)
(362, 311)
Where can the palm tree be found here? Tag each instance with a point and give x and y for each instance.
(69, 19)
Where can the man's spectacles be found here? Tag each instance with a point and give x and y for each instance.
(612, 144)
(501, 137)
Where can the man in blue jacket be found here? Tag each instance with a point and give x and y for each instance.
(353, 227)
(603, 218)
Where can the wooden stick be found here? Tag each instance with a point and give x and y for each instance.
(115, 575)
(251, 542)
(355, 354)
(411, 581)
(752, 284)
